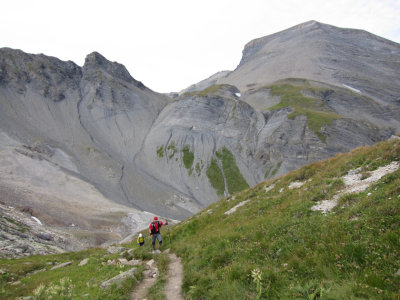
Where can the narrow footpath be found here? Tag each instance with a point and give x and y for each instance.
(173, 287)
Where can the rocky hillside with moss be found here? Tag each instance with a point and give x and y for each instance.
(297, 96)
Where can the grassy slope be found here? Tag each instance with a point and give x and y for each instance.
(353, 252)
(19, 279)
(317, 113)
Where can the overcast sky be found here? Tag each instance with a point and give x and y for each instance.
(171, 44)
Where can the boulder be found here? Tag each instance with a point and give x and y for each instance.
(119, 278)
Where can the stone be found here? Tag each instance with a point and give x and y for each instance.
(45, 236)
(126, 262)
(84, 262)
(115, 250)
(150, 263)
(233, 209)
(119, 278)
(68, 263)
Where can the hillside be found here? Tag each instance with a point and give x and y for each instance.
(271, 241)
(88, 148)
(349, 253)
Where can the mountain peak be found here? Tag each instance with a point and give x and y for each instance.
(95, 60)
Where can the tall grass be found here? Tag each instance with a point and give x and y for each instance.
(32, 276)
(350, 253)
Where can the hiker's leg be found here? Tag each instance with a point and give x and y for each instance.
(159, 240)
(153, 241)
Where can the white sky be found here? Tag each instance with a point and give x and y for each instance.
(171, 44)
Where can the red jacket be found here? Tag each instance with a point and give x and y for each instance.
(157, 224)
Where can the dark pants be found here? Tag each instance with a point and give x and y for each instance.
(155, 236)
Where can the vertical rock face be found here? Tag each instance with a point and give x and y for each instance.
(297, 96)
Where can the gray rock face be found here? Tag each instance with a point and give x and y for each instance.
(297, 96)
(321, 52)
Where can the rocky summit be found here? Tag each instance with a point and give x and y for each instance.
(93, 147)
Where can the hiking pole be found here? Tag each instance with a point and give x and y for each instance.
(169, 238)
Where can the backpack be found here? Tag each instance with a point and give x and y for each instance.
(155, 227)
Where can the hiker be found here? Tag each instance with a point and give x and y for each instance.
(154, 230)
(140, 239)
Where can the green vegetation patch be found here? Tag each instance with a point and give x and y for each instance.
(317, 113)
(234, 179)
(160, 151)
(271, 171)
(208, 91)
(188, 157)
(32, 276)
(276, 247)
(171, 150)
(199, 167)
(216, 178)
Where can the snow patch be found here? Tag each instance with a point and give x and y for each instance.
(37, 220)
(238, 95)
(352, 89)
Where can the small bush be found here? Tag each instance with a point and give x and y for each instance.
(160, 152)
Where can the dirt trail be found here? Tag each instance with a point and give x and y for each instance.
(141, 292)
(175, 277)
(173, 286)
(150, 277)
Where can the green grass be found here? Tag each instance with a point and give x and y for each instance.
(19, 279)
(188, 157)
(208, 91)
(271, 171)
(234, 178)
(160, 151)
(317, 113)
(16, 225)
(171, 150)
(350, 253)
(198, 168)
(216, 178)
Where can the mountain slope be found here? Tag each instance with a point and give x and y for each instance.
(297, 96)
(322, 52)
(266, 242)
(270, 242)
